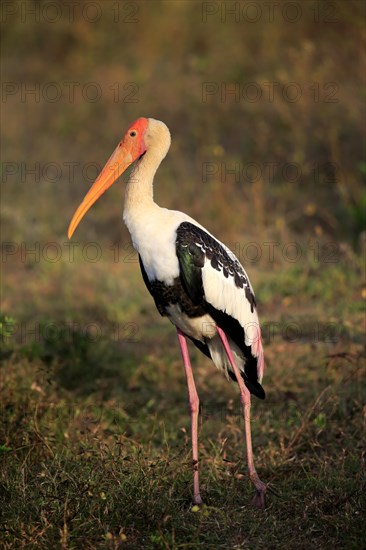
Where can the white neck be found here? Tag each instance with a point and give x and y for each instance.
(139, 191)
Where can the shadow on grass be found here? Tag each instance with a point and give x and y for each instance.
(75, 359)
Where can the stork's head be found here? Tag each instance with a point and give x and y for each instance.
(142, 135)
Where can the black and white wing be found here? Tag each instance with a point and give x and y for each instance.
(214, 278)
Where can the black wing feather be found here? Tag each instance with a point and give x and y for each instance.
(193, 246)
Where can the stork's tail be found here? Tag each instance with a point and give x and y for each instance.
(253, 385)
(246, 365)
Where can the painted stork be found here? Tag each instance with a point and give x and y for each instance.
(195, 280)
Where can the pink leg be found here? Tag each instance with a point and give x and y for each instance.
(194, 406)
(259, 499)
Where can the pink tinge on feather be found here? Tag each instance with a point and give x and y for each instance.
(257, 350)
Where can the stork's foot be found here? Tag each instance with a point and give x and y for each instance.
(197, 500)
(259, 500)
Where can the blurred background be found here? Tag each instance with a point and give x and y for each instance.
(265, 103)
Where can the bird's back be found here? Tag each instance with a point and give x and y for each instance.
(198, 283)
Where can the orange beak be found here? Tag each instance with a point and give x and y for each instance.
(127, 151)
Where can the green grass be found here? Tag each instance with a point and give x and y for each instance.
(86, 471)
(95, 445)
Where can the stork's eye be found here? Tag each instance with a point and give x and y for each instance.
(133, 133)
